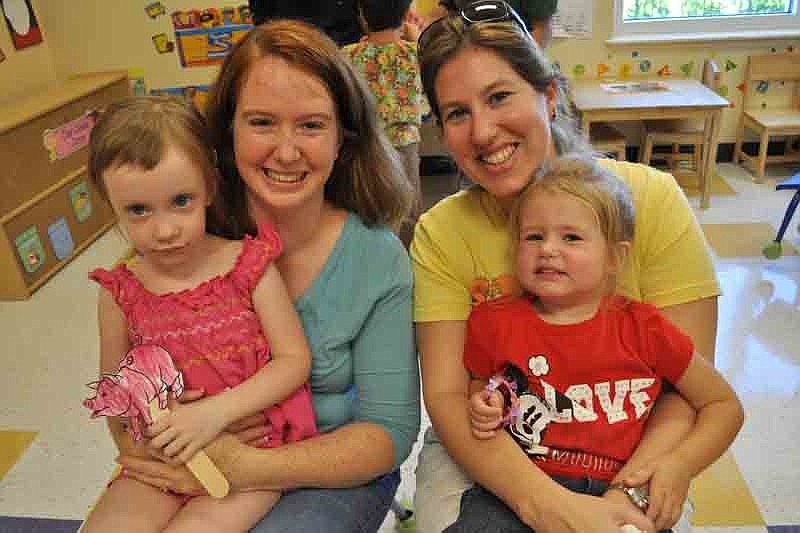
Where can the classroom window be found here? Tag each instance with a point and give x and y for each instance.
(704, 17)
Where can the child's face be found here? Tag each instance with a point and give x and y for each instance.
(562, 256)
(162, 210)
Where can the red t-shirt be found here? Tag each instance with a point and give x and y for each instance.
(590, 386)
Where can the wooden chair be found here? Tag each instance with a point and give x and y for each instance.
(680, 132)
(606, 139)
(769, 122)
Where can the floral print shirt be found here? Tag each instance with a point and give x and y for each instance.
(392, 72)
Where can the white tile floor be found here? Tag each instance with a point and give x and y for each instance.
(50, 346)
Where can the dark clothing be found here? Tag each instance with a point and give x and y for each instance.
(483, 512)
(337, 18)
(529, 10)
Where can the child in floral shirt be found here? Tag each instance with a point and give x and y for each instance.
(389, 65)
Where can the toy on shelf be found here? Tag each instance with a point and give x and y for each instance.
(139, 390)
(774, 249)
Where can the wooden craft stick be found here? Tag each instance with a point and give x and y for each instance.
(200, 465)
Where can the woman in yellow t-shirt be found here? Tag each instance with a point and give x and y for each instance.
(494, 94)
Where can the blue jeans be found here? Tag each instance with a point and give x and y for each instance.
(483, 512)
(354, 510)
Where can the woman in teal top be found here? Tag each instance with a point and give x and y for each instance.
(299, 145)
(361, 347)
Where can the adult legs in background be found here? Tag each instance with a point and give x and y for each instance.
(440, 485)
(410, 156)
(354, 510)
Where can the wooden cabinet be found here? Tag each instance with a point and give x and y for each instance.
(49, 211)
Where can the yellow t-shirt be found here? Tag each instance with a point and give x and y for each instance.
(423, 7)
(462, 250)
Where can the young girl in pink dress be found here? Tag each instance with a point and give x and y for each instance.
(219, 307)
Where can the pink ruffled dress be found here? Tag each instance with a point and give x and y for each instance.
(212, 331)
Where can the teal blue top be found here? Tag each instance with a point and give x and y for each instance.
(357, 318)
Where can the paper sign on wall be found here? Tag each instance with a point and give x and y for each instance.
(22, 23)
(206, 36)
(573, 19)
(197, 94)
(81, 201)
(30, 250)
(70, 137)
(155, 9)
(162, 43)
(61, 238)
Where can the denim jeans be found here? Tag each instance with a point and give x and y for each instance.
(353, 510)
(482, 511)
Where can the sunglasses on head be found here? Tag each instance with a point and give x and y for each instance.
(475, 13)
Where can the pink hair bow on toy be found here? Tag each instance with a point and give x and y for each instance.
(508, 389)
(139, 390)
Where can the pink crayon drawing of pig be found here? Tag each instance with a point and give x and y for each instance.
(146, 372)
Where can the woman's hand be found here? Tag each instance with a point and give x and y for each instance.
(582, 513)
(668, 489)
(250, 430)
(158, 474)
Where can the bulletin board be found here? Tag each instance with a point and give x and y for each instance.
(205, 36)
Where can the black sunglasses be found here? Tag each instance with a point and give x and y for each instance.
(474, 13)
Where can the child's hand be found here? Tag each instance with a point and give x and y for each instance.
(485, 413)
(668, 489)
(187, 429)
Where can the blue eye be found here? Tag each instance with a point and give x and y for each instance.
(498, 97)
(455, 114)
(182, 200)
(571, 237)
(136, 210)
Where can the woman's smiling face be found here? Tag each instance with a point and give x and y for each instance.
(496, 125)
(286, 136)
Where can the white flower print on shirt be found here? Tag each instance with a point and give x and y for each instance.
(538, 365)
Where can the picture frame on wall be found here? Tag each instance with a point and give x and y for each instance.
(22, 23)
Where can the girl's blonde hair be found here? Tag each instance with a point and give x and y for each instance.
(583, 178)
(139, 130)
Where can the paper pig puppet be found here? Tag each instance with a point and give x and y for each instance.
(145, 373)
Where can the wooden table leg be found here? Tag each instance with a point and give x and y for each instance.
(711, 137)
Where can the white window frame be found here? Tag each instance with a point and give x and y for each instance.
(705, 29)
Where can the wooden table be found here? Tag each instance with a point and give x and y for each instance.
(682, 99)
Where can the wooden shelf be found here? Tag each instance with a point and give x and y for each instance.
(46, 200)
